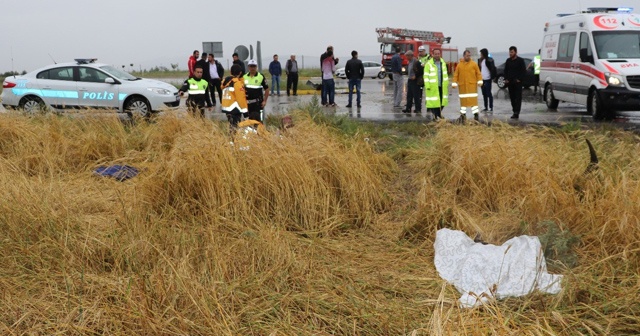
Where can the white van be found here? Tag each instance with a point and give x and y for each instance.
(593, 58)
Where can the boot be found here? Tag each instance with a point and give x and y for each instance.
(462, 119)
(476, 117)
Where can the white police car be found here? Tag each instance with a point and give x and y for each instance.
(86, 84)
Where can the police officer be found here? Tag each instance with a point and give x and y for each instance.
(198, 89)
(257, 91)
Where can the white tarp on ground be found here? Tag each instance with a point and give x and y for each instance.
(480, 272)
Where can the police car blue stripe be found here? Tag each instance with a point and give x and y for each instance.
(46, 93)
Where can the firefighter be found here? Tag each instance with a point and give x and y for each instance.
(467, 78)
(234, 97)
(257, 91)
(198, 89)
(436, 83)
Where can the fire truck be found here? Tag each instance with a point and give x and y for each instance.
(410, 39)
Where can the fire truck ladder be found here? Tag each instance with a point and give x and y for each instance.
(389, 34)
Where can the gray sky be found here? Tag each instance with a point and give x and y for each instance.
(151, 33)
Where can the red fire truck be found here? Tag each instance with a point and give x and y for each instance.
(409, 39)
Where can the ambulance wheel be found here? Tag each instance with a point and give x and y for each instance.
(32, 104)
(594, 105)
(500, 82)
(549, 98)
(381, 75)
(137, 106)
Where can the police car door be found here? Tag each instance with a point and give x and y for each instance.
(57, 87)
(94, 91)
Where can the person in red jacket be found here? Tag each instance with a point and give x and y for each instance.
(192, 62)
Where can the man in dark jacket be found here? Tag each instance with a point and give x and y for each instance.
(488, 70)
(292, 75)
(202, 62)
(514, 73)
(415, 83)
(275, 69)
(236, 60)
(215, 75)
(355, 73)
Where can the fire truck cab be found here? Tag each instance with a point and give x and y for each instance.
(409, 39)
(592, 58)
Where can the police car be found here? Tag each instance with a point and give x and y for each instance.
(87, 84)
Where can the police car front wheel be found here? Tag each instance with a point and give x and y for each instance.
(136, 106)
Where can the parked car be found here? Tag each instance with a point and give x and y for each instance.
(529, 79)
(371, 70)
(87, 84)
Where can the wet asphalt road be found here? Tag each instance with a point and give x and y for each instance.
(377, 96)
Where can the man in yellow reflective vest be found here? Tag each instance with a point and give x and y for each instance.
(436, 83)
(536, 72)
(257, 91)
(198, 90)
(467, 78)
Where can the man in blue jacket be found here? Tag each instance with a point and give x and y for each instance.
(275, 70)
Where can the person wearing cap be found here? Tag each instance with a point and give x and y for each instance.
(423, 56)
(257, 91)
(234, 97)
(292, 75)
(198, 89)
(414, 84)
(236, 60)
(467, 78)
(398, 79)
(354, 70)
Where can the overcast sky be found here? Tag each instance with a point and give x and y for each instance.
(151, 33)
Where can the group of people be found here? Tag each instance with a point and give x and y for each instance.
(243, 93)
(291, 70)
(428, 75)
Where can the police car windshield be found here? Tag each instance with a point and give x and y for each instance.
(119, 74)
(617, 45)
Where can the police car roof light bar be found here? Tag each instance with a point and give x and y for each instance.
(85, 60)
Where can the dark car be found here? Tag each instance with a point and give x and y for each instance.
(529, 79)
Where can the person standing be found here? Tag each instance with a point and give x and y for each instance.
(275, 69)
(423, 56)
(257, 91)
(467, 78)
(398, 79)
(202, 63)
(191, 64)
(292, 75)
(415, 83)
(536, 72)
(489, 72)
(328, 85)
(354, 69)
(216, 73)
(198, 89)
(234, 99)
(236, 60)
(436, 83)
(514, 73)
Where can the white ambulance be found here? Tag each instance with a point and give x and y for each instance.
(593, 58)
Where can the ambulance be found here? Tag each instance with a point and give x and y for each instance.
(592, 58)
